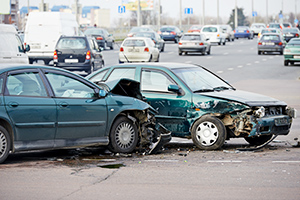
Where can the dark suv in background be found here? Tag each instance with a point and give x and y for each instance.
(103, 38)
(78, 53)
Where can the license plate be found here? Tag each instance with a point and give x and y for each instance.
(71, 60)
(269, 43)
(133, 50)
(165, 33)
(281, 121)
(35, 46)
(298, 57)
(191, 44)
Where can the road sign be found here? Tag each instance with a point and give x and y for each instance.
(121, 9)
(254, 13)
(296, 21)
(188, 11)
(280, 16)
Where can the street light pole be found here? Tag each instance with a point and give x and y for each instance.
(139, 14)
(235, 15)
(218, 12)
(203, 7)
(158, 16)
(267, 20)
(180, 13)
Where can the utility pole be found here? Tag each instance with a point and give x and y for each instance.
(267, 20)
(139, 14)
(253, 17)
(43, 7)
(158, 16)
(218, 12)
(180, 13)
(203, 12)
(235, 15)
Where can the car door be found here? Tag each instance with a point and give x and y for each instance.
(81, 115)
(172, 107)
(31, 110)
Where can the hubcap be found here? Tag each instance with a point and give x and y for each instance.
(207, 133)
(3, 144)
(125, 135)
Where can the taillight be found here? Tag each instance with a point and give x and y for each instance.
(159, 32)
(280, 43)
(55, 58)
(88, 55)
(189, 31)
(121, 49)
(180, 43)
(99, 38)
(146, 49)
(154, 41)
(259, 43)
(247, 31)
(173, 33)
(297, 35)
(218, 35)
(234, 31)
(201, 43)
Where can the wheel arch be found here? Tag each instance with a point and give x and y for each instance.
(6, 124)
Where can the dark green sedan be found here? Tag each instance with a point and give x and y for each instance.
(46, 108)
(292, 52)
(192, 102)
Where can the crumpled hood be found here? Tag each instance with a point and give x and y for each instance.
(248, 98)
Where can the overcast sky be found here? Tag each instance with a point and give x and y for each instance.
(171, 7)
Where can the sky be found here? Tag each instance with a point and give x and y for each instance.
(171, 7)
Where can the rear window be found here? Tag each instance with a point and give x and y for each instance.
(268, 31)
(169, 29)
(210, 29)
(294, 42)
(274, 25)
(242, 28)
(71, 43)
(270, 37)
(290, 30)
(94, 31)
(191, 37)
(141, 34)
(136, 43)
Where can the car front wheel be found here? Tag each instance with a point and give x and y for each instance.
(4, 144)
(123, 136)
(208, 133)
(286, 63)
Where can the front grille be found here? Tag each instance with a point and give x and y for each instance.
(274, 110)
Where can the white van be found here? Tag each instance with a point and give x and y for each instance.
(11, 46)
(214, 33)
(42, 31)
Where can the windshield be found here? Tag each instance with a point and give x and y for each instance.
(269, 31)
(169, 29)
(290, 30)
(191, 37)
(210, 29)
(294, 42)
(200, 80)
(94, 31)
(71, 43)
(270, 37)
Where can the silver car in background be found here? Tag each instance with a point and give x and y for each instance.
(257, 27)
(194, 42)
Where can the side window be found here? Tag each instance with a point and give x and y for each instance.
(26, 84)
(20, 45)
(118, 73)
(64, 86)
(98, 77)
(1, 84)
(155, 81)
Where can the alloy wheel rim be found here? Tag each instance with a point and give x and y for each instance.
(125, 135)
(207, 133)
(3, 144)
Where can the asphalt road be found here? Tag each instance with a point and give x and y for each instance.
(181, 171)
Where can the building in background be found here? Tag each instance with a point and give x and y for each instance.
(9, 12)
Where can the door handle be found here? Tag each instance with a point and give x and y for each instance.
(63, 104)
(13, 104)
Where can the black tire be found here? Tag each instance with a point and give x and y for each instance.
(258, 140)
(281, 52)
(259, 52)
(123, 136)
(208, 133)
(150, 59)
(179, 53)
(157, 60)
(163, 48)
(176, 40)
(232, 39)
(208, 52)
(112, 46)
(5, 144)
(219, 43)
(31, 61)
(286, 63)
(224, 42)
(121, 62)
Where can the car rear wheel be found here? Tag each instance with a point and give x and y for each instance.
(208, 52)
(123, 136)
(157, 60)
(179, 53)
(286, 63)
(163, 48)
(208, 133)
(258, 140)
(112, 46)
(5, 143)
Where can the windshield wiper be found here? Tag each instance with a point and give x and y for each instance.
(203, 90)
(221, 88)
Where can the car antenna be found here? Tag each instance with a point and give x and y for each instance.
(122, 52)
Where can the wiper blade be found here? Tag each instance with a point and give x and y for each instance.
(203, 90)
(221, 88)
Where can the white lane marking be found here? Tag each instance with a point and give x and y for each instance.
(256, 62)
(240, 66)
(171, 52)
(286, 161)
(209, 57)
(219, 72)
(264, 59)
(248, 64)
(251, 48)
(224, 161)
(188, 62)
(230, 69)
(240, 50)
(271, 57)
(225, 53)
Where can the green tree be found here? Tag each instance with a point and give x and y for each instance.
(242, 21)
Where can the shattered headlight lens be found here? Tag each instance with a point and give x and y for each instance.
(292, 112)
(260, 112)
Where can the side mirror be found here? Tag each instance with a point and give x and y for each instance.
(174, 88)
(27, 48)
(102, 93)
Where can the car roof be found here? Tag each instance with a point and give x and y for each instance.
(167, 65)
(271, 34)
(4, 67)
(195, 33)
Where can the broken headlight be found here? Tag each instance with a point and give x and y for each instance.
(260, 112)
(292, 112)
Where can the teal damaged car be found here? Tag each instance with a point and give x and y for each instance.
(46, 108)
(194, 103)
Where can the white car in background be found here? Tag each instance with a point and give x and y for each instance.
(257, 27)
(138, 49)
(214, 33)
